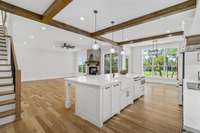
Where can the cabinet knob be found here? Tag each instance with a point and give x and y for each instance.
(107, 88)
(116, 85)
(127, 94)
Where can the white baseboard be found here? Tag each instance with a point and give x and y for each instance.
(46, 78)
(191, 129)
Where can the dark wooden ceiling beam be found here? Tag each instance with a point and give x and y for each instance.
(39, 18)
(179, 33)
(187, 5)
(55, 8)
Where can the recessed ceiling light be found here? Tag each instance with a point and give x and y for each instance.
(43, 28)
(25, 42)
(82, 18)
(168, 31)
(32, 37)
(80, 38)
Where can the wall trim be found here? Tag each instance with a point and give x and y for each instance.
(191, 129)
(46, 78)
(161, 80)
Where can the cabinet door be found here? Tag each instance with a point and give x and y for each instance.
(115, 99)
(107, 103)
(130, 95)
(123, 99)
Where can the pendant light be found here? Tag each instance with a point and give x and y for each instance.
(112, 50)
(154, 51)
(95, 46)
(122, 52)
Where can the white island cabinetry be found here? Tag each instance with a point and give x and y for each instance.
(98, 98)
(111, 101)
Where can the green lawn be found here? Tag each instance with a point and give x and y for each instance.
(164, 74)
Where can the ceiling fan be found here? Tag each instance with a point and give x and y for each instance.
(66, 45)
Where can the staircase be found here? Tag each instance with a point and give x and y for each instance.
(9, 81)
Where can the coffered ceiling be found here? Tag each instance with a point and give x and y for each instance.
(118, 11)
(37, 6)
(77, 16)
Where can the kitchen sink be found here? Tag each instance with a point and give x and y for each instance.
(193, 85)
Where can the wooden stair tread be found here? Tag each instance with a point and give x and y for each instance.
(5, 71)
(6, 84)
(6, 93)
(4, 59)
(7, 113)
(6, 102)
(6, 77)
(3, 54)
(5, 65)
(3, 49)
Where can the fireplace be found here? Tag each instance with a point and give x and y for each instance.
(93, 61)
(93, 70)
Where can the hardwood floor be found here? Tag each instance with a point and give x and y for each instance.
(44, 112)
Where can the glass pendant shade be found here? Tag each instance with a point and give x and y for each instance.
(95, 46)
(112, 50)
(122, 52)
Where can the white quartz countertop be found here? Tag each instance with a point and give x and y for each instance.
(101, 80)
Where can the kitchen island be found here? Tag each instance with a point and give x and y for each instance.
(100, 97)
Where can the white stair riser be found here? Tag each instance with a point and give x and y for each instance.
(6, 81)
(5, 67)
(7, 107)
(3, 52)
(7, 97)
(3, 62)
(7, 120)
(6, 88)
(5, 74)
(3, 57)
(2, 40)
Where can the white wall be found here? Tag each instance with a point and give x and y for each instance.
(195, 26)
(37, 64)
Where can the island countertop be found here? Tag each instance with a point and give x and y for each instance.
(97, 80)
(101, 80)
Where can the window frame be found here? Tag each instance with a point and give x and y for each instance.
(164, 66)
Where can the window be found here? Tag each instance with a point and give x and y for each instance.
(161, 64)
(82, 65)
(124, 63)
(107, 63)
(111, 62)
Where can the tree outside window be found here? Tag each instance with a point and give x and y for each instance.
(162, 64)
(82, 65)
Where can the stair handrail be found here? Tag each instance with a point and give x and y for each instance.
(16, 77)
(4, 18)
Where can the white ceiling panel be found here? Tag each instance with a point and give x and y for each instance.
(161, 26)
(117, 10)
(37, 35)
(37, 6)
